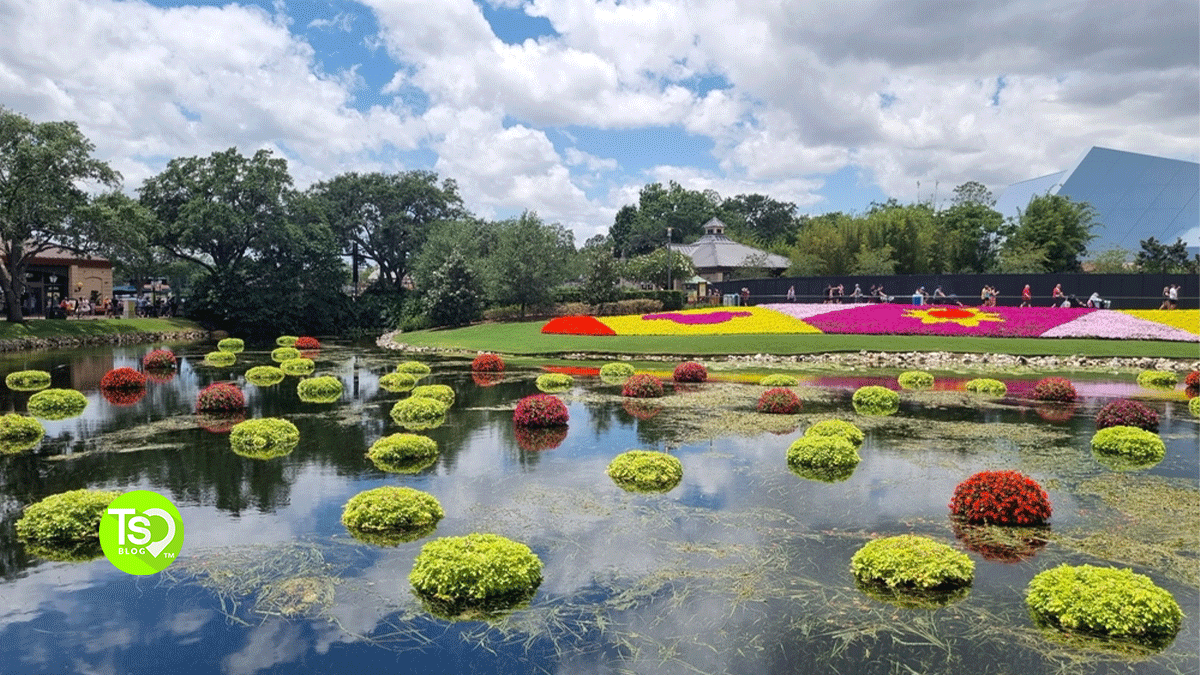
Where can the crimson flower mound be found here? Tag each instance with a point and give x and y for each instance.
(159, 359)
(690, 371)
(220, 397)
(1054, 389)
(1192, 381)
(779, 401)
(1001, 498)
(306, 342)
(487, 363)
(124, 379)
(540, 410)
(1126, 413)
(642, 386)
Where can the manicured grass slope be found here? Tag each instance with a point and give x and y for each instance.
(40, 328)
(527, 338)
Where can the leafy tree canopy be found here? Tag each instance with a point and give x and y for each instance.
(1059, 227)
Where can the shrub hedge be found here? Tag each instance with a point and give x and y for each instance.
(297, 367)
(398, 382)
(57, 404)
(159, 359)
(987, 386)
(264, 376)
(235, 345)
(19, 433)
(616, 372)
(220, 359)
(323, 389)
(823, 452)
(876, 400)
(553, 383)
(540, 410)
(915, 379)
(441, 392)
(779, 380)
(1157, 379)
(66, 517)
(27, 380)
(286, 341)
(123, 378)
(414, 368)
(1138, 446)
(487, 363)
(1107, 602)
(390, 515)
(1056, 389)
(419, 413)
(645, 471)
(913, 563)
(839, 428)
(281, 354)
(264, 438)
(475, 569)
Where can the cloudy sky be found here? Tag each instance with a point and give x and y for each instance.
(568, 107)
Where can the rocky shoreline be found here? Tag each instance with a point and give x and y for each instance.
(883, 360)
(73, 341)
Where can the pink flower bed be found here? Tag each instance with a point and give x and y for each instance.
(1119, 326)
(896, 319)
(803, 311)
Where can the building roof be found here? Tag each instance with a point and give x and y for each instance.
(715, 250)
(1136, 197)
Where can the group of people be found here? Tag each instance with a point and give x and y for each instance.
(84, 307)
(1170, 297)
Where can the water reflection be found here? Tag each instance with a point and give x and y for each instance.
(741, 568)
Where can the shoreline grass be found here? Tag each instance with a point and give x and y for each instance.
(526, 339)
(43, 328)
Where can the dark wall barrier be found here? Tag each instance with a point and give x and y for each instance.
(1125, 291)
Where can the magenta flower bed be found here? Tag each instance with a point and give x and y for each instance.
(891, 319)
(695, 319)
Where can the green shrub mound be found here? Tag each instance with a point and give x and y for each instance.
(65, 518)
(264, 438)
(615, 373)
(1157, 379)
(1104, 602)
(910, 562)
(838, 428)
(323, 389)
(414, 368)
(779, 380)
(220, 359)
(438, 392)
(233, 345)
(57, 404)
(27, 380)
(391, 515)
(286, 340)
(645, 471)
(479, 570)
(19, 433)
(264, 376)
(298, 367)
(987, 387)
(419, 413)
(397, 382)
(915, 379)
(876, 400)
(281, 354)
(1194, 406)
(401, 449)
(1126, 448)
(553, 383)
(831, 454)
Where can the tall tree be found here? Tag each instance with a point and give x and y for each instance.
(1059, 227)
(1161, 258)
(44, 169)
(453, 299)
(761, 219)
(387, 216)
(661, 268)
(637, 230)
(530, 259)
(601, 271)
(973, 230)
(473, 238)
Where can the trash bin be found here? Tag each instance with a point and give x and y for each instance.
(56, 312)
(730, 300)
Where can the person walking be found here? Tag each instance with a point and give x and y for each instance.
(1026, 296)
(791, 294)
(1056, 296)
(1173, 297)
(857, 294)
(1166, 303)
(745, 297)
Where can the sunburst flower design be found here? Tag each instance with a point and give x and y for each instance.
(968, 317)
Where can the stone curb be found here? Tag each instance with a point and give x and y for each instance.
(69, 342)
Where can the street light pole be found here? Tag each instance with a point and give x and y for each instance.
(669, 260)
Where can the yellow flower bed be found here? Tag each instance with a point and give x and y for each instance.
(1183, 319)
(740, 321)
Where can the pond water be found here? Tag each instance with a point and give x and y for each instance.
(742, 568)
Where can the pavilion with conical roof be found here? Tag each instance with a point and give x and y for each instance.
(715, 256)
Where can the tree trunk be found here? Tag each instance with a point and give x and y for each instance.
(12, 310)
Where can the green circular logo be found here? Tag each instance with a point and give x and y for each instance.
(141, 532)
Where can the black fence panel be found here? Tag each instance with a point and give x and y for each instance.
(1124, 291)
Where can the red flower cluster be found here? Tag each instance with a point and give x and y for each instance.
(487, 363)
(576, 325)
(220, 397)
(779, 401)
(123, 379)
(123, 397)
(540, 410)
(303, 343)
(1054, 389)
(1128, 414)
(574, 371)
(1192, 380)
(1001, 498)
(642, 386)
(536, 439)
(159, 359)
(690, 371)
(641, 409)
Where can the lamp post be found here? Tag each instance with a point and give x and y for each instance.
(669, 259)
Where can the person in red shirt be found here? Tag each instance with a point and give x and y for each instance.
(1026, 296)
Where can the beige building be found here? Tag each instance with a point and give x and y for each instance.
(56, 273)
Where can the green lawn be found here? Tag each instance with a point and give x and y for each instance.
(42, 328)
(527, 339)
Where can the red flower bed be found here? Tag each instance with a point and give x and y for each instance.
(690, 371)
(540, 410)
(220, 397)
(487, 363)
(1192, 381)
(641, 409)
(642, 386)
(536, 439)
(159, 359)
(306, 342)
(1127, 413)
(123, 378)
(1054, 389)
(123, 397)
(573, 371)
(576, 325)
(220, 422)
(487, 379)
(1000, 498)
(779, 401)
